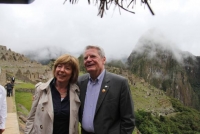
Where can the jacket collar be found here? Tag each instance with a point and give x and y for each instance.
(45, 86)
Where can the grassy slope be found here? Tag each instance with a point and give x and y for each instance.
(23, 98)
(149, 98)
(23, 85)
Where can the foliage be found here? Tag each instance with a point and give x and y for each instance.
(155, 82)
(144, 122)
(166, 84)
(81, 63)
(81, 73)
(116, 63)
(185, 121)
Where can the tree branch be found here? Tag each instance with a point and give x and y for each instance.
(103, 5)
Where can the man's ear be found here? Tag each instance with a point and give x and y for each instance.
(104, 60)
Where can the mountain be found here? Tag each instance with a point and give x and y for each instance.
(161, 64)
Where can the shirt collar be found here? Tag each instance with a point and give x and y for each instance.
(99, 78)
(53, 83)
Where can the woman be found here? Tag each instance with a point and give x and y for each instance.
(56, 102)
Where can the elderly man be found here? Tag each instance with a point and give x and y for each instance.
(107, 105)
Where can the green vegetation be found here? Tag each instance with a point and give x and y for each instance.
(185, 121)
(23, 85)
(116, 63)
(166, 84)
(81, 64)
(24, 99)
(81, 73)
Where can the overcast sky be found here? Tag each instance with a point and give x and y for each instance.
(69, 28)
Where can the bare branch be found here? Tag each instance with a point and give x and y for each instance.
(103, 5)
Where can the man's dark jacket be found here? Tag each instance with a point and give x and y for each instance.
(9, 86)
(114, 110)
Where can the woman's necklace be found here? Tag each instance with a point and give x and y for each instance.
(63, 92)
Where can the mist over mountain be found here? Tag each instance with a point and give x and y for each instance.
(45, 54)
(153, 41)
(163, 65)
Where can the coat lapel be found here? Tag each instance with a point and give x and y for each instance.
(74, 106)
(46, 99)
(83, 91)
(103, 91)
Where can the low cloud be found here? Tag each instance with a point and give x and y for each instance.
(153, 41)
(45, 53)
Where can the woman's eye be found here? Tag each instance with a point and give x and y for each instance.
(67, 68)
(59, 66)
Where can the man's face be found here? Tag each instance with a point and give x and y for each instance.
(93, 62)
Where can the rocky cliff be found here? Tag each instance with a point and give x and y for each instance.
(164, 66)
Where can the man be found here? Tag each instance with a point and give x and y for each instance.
(9, 87)
(106, 102)
(3, 109)
(13, 80)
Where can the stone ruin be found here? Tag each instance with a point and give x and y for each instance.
(19, 66)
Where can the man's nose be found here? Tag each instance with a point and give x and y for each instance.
(88, 58)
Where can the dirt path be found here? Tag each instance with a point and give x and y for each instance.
(10, 105)
(12, 126)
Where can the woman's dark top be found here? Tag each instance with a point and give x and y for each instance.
(61, 111)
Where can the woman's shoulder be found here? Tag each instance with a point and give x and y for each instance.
(40, 87)
(43, 85)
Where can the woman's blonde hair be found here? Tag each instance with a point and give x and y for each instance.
(71, 61)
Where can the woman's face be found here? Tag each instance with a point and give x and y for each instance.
(63, 73)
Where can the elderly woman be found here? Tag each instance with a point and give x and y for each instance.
(56, 102)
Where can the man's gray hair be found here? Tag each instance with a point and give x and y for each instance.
(100, 50)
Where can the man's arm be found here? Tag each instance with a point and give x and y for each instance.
(126, 109)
